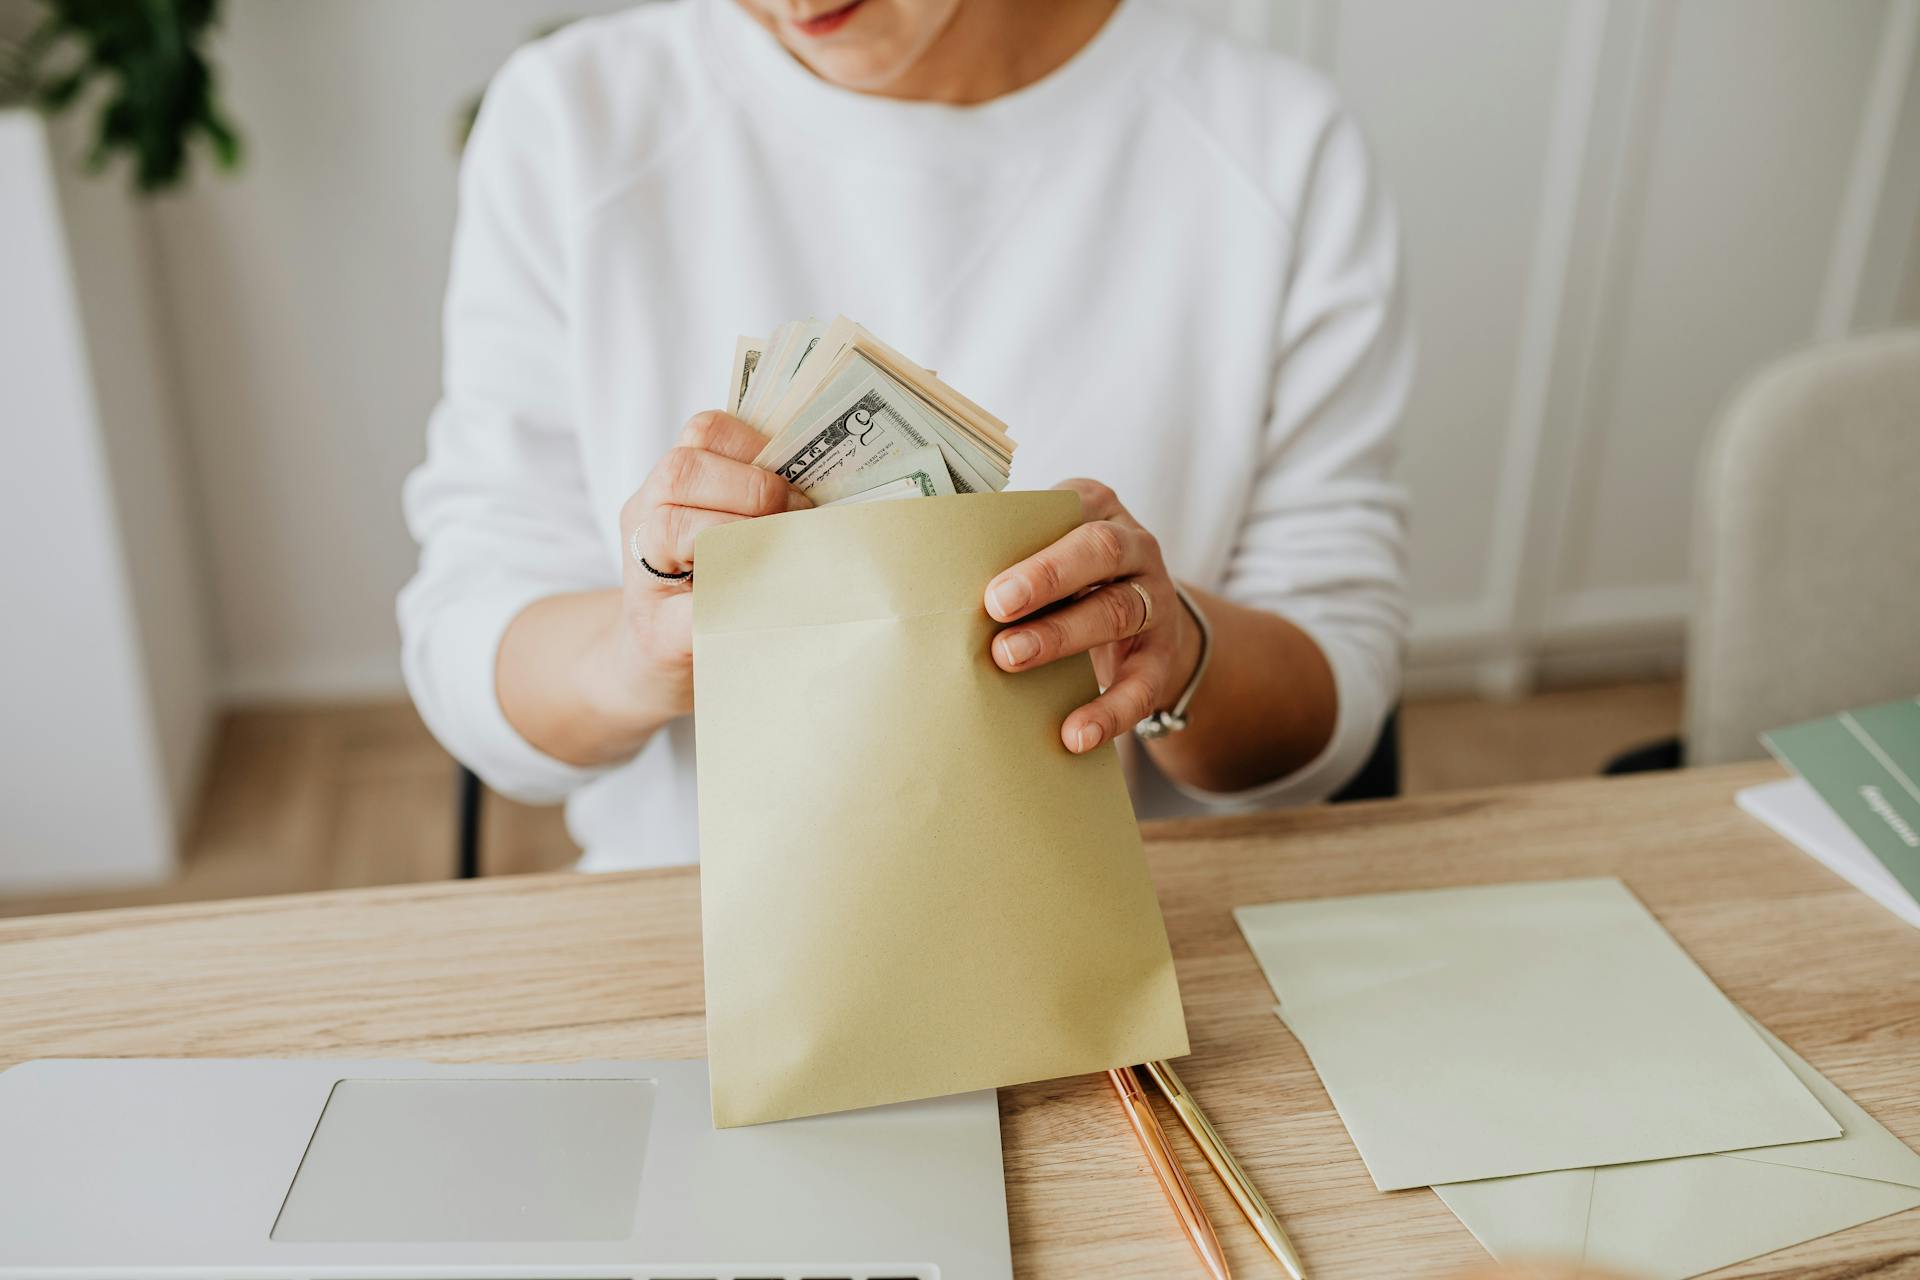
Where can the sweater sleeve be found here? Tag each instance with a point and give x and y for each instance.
(500, 505)
(1323, 539)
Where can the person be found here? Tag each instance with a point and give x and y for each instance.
(1162, 258)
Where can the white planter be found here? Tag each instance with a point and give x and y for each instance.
(104, 671)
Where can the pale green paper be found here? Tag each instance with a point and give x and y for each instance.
(1506, 1029)
(1669, 1219)
(909, 887)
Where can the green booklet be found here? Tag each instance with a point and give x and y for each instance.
(1866, 766)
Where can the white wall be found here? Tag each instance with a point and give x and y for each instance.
(305, 303)
(1907, 305)
(1613, 211)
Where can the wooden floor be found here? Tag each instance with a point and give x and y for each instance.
(1572, 733)
(341, 797)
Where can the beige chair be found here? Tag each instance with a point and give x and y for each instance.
(1807, 550)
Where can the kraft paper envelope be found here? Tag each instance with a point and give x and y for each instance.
(1675, 1218)
(908, 886)
(1505, 1029)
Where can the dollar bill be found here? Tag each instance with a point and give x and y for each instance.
(788, 349)
(922, 471)
(825, 360)
(865, 426)
(963, 453)
(901, 415)
(924, 468)
(847, 415)
(837, 455)
(757, 386)
(746, 358)
(978, 433)
(891, 491)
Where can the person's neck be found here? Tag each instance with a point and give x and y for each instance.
(995, 47)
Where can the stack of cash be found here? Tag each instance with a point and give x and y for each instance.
(849, 419)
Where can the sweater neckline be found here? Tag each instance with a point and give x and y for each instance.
(758, 68)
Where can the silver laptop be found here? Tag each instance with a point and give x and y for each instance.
(212, 1169)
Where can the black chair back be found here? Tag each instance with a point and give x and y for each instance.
(1379, 777)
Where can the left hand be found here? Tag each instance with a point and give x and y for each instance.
(1115, 599)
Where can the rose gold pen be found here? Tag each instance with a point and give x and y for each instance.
(1179, 1193)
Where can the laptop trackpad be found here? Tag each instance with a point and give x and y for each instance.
(472, 1160)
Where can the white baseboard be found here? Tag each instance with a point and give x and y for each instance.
(1455, 632)
(1625, 616)
(1496, 678)
(1504, 679)
(1587, 637)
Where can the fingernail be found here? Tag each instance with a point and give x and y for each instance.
(798, 501)
(1007, 596)
(1017, 648)
(1086, 738)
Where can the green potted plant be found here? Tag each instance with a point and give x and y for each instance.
(143, 62)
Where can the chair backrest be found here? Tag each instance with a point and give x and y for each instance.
(1807, 555)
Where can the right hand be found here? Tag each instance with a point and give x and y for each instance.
(706, 479)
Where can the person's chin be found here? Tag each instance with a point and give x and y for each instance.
(860, 72)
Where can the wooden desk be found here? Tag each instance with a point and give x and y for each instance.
(558, 967)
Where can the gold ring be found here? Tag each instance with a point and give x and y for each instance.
(1146, 601)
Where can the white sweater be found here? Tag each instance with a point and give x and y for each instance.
(1167, 266)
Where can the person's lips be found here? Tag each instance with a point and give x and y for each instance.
(825, 24)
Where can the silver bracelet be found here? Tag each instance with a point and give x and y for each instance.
(1174, 719)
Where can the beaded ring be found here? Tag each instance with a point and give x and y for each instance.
(633, 545)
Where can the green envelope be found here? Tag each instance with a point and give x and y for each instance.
(1668, 1219)
(1495, 1030)
(908, 886)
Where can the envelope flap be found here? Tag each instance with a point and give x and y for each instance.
(1674, 1218)
(929, 555)
(1536, 1215)
(1667, 1219)
(1865, 1148)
